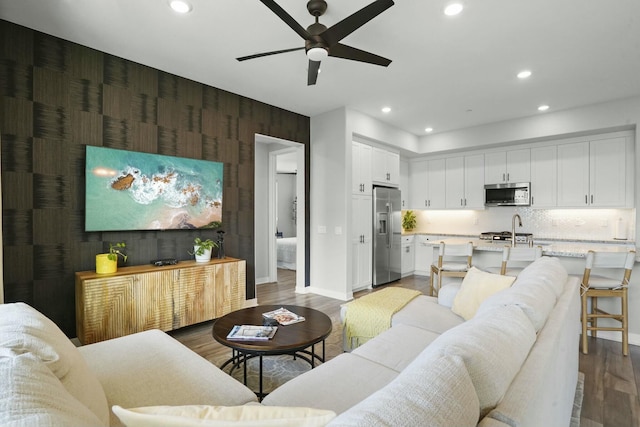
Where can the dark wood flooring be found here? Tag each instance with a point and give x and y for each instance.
(611, 385)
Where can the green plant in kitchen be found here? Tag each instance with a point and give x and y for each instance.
(409, 220)
(115, 250)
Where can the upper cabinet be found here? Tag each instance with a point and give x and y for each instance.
(386, 167)
(404, 183)
(593, 173)
(427, 186)
(464, 182)
(544, 177)
(360, 168)
(507, 166)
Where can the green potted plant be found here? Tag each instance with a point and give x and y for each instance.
(409, 220)
(108, 263)
(202, 249)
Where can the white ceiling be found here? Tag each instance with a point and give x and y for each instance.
(448, 73)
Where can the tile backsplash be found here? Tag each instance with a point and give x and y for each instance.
(579, 224)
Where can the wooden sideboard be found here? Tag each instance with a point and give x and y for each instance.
(139, 298)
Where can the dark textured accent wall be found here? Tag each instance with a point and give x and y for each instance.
(58, 97)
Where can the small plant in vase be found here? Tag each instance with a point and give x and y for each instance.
(108, 263)
(409, 220)
(202, 249)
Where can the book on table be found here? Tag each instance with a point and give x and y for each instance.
(252, 332)
(283, 316)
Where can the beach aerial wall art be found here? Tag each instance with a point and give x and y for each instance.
(127, 190)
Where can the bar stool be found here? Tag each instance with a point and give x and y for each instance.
(518, 255)
(596, 286)
(453, 261)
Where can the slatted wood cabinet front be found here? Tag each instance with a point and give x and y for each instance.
(147, 297)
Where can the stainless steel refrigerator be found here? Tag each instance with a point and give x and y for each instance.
(387, 235)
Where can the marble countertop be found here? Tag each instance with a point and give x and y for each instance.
(550, 247)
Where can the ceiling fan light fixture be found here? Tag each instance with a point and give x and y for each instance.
(317, 54)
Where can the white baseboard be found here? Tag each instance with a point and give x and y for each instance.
(634, 339)
(330, 294)
(261, 280)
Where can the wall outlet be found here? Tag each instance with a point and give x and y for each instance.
(554, 222)
(322, 229)
(337, 230)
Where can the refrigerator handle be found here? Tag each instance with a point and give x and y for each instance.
(390, 216)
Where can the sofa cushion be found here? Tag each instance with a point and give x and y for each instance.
(151, 368)
(447, 293)
(476, 286)
(545, 270)
(336, 385)
(493, 345)
(25, 330)
(31, 395)
(223, 416)
(436, 392)
(535, 299)
(395, 348)
(425, 312)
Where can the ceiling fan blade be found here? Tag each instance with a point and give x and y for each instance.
(275, 52)
(312, 77)
(342, 29)
(282, 14)
(347, 52)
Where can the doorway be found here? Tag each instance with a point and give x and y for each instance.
(267, 151)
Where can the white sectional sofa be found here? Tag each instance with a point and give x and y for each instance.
(515, 363)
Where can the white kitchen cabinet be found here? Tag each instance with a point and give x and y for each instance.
(474, 181)
(361, 168)
(544, 177)
(508, 166)
(592, 173)
(454, 182)
(408, 255)
(385, 167)
(361, 241)
(427, 184)
(424, 253)
(404, 184)
(465, 182)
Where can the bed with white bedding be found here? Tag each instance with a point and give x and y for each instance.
(286, 252)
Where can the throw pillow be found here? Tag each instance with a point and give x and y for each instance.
(476, 286)
(223, 416)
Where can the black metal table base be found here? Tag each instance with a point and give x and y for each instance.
(240, 357)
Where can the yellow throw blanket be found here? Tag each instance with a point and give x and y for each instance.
(371, 314)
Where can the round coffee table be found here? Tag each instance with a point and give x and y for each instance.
(292, 339)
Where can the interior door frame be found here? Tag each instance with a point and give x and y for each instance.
(299, 149)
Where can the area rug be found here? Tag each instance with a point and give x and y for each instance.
(577, 401)
(276, 370)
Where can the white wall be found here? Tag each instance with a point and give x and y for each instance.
(330, 188)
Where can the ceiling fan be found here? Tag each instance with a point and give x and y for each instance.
(321, 41)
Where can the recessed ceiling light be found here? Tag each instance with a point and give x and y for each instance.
(543, 108)
(453, 9)
(524, 74)
(428, 130)
(386, 109)
(180, 6)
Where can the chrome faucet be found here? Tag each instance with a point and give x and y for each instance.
(513, 229)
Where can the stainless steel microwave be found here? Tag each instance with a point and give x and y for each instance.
(509, 194)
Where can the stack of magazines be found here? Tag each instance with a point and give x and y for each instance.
(283, 316)
(252, 333)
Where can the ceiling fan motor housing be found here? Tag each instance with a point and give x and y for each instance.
(317, 7)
